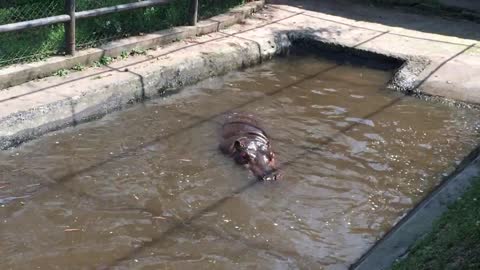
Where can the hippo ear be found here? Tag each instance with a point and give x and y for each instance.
(239, 144)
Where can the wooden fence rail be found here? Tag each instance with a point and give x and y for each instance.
(70, 17)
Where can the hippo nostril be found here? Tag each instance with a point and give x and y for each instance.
(272, 176)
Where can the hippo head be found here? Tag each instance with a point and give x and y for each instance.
(258, 156)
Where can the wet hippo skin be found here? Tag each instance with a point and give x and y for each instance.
(247, 143)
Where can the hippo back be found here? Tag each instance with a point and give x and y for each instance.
(241, 124)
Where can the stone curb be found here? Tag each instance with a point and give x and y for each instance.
(18, 74)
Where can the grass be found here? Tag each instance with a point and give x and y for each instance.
(37, 44)
(454, 242)
(62, 72)
(78, 67)
(137, 51)
(104, 61)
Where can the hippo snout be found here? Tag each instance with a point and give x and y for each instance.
(264, 171)
(270, 176)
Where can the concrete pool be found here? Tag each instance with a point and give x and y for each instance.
(147, 187)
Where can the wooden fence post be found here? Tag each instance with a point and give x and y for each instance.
(70, 27)
(193, 12)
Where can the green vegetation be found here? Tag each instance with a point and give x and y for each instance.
(124, 55)
(37, 44)
(137, 51)
(78, 67)
(105, 60)
(454, 242)
(62, 72)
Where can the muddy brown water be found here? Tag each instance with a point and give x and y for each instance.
(147, 188)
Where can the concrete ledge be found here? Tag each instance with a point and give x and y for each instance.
(18, 74)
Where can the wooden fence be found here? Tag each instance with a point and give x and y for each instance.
(70, 17)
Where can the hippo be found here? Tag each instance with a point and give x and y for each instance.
(243, 139)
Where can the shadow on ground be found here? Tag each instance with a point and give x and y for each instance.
(389, 17)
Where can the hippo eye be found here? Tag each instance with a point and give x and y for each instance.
(244, 155)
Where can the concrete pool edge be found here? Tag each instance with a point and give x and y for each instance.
(109, 95)
(419, 221)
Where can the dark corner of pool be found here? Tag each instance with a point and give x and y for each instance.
(305, 43)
